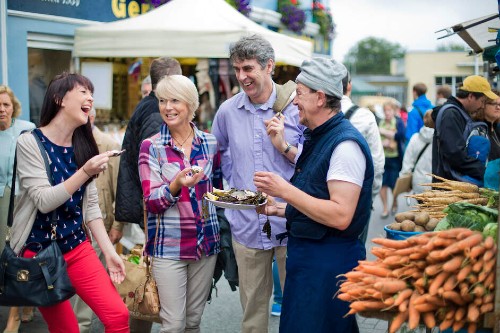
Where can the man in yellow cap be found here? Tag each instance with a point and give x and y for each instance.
(451, 151)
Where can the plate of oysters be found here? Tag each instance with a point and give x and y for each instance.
(235, 199)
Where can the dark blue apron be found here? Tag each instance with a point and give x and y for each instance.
(312, 268)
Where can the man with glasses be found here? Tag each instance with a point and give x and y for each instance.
(450, 156)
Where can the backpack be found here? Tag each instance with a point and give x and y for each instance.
(476, 139)
(348, 114)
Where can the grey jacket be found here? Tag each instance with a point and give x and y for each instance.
(37, 194)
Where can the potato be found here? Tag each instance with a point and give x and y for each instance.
(431, 225)
(421, 218)
(394, 226)
(419, 228)
(400, 217)
(407, 225)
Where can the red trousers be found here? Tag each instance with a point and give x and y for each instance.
(94, 286)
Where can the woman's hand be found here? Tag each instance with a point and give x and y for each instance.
(275, 128)
(185, 178)
(116, 267)
(97, 164)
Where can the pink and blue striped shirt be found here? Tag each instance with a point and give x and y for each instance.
(184, 234)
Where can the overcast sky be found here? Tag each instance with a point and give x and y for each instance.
(411, 23)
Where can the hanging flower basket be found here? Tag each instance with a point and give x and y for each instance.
(243, 6)
(293, 18)
(323, 18)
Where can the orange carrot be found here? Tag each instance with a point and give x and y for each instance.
(489, 283)
(432, 270)
(475, 251)
(472, 328)
(402, 295)
(486, 308)
(390, 243)
(453, 296)
(460, 313)
(464, 272)
(429, 319)
(390, 286)
(367, 305)
(445, 324)
(425, 307)
(453, 265)
(437, 282)
(489, 242)
(397, 321)
(478, 265)
(457, 325)
(403, 307)
(396, 260)
(377, 271)
(489, 265)
(472, 313)
(345, 297)
(478, 290)
(450, 283)
(413, 314)
(488, 298)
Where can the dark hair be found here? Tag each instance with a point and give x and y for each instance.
(332, 102)
(420, 89)
(345, 82)
(252, 47)
(444, 91)
(161, 67)
(464, 93)
(84, 144)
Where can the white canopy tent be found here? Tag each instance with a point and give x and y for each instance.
(183, 29)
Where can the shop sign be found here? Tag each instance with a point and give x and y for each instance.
(93, 10)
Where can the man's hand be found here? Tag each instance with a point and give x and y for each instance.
(115, 235)
(270, 183)
(275, 128)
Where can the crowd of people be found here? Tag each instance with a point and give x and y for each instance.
(321, 160)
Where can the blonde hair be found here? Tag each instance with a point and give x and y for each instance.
(15, 102)
(181, 88)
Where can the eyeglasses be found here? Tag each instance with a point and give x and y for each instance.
(494, 104)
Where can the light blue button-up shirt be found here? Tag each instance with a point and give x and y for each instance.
(8, 138)
(246, 148)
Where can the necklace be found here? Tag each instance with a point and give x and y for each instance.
(494, 136)
(181, 144)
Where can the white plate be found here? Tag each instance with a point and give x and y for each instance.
(230, 205)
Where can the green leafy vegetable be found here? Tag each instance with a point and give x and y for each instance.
(491, 229)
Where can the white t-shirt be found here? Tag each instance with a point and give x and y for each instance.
(347, 163)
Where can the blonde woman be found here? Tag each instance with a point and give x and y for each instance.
(185, 247)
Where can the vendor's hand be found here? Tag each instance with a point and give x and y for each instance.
(270, 209)
(270, 183)
(187, 178)
(97, 164)
(116, 267)
(275, 128)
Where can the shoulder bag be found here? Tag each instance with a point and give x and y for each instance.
(138, 291)
(39, 281)
(404, 182)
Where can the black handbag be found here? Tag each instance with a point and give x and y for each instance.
(39, 281)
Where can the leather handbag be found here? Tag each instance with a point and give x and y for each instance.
(138, 290)
(39, 281)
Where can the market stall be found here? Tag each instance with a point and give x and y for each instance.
(443, 275)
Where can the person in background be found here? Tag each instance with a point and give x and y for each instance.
(325, 204)
(252, 138)
(66, 135)
(144, 123)
(106, 189)
(10, 129)
(185, 247)
(392, 133)
(146, 86)
(364, 121)
(492, 119)
(420, 105)
(442, 94)
(449, 151)
(403, 114)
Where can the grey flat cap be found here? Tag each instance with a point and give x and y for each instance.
(323, 74)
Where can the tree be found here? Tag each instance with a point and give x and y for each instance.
(451, 47)
(373, 56)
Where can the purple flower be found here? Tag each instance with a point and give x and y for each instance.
(293, 17)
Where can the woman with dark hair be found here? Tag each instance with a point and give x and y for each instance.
(65, 133)
(491, 116)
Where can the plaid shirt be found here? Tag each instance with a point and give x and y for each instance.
(183, 233)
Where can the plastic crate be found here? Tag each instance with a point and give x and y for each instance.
(400, 235)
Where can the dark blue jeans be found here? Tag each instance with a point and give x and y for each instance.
(312, 268)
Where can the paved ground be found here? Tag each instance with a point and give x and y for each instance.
(223, 314)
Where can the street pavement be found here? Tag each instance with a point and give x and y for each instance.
(223, 314)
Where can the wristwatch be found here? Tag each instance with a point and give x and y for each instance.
(287, 149)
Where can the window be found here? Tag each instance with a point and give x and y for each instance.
(452, 81)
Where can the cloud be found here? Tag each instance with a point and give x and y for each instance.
(410, 23)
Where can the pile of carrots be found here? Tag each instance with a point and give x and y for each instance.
(446, 192)
(444, 278)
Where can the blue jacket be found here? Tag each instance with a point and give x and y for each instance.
(416, 118)
(310, 176)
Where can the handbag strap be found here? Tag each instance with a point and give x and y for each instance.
(419, 155)
(43, 152)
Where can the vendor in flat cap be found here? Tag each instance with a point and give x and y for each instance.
(327, 204)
